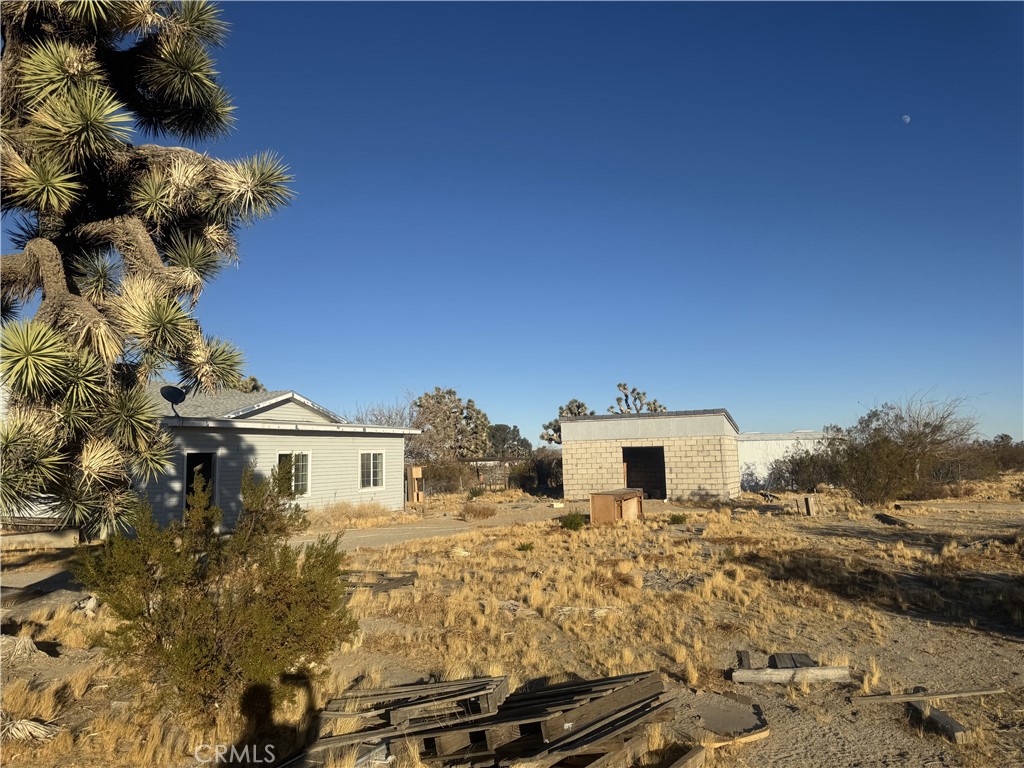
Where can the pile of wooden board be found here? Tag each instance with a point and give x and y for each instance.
(476, 722)
(788, 668)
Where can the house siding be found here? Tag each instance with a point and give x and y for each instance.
(758, 450)
(288, 411)
(333, 467)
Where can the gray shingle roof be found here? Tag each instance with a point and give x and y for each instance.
(213, 406)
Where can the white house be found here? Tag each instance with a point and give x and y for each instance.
(223, 433)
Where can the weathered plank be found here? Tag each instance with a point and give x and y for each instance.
(803, 660)
(891, 520)
(448, 743)
(953, 730)
(743, 738)
(499, 735)
(781, 661)
(894, 698)
(693, 759)
(408, 580)
(417, 689)
(744, 659)
(558, 725)
(625, 755)
(650, 710)
(794, 675)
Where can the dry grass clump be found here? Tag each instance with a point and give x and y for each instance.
(1000, 488)
(24, 701)
(73, 628)
(342, 515)
(35, 559)
(472, 510)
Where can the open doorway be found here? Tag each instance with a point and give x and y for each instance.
(645, 468)
(203, 463)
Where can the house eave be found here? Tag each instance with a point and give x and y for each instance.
(294, 396)
(184, 422)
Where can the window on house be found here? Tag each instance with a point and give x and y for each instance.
(371, 470)
(298, 465)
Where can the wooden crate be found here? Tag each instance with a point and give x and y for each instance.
(622, 505)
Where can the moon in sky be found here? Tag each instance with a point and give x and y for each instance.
(906, 119)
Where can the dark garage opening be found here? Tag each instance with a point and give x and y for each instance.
(645, 468)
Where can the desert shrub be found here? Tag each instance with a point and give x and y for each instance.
(476, 492)
(210, 616)
(526, 546)
(677, 519)
(903, 449)
(523, 475)
(447, 477)
(472, 511)
(750, 480)
(547, 464)
(804, 470)
(1017, 491)
(573, 521)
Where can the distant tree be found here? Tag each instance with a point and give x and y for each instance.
(553, 429)
(115, 241)
(506, 442)
(399, 413)
(452, 429)
(632, 400)
(547, 464)
(894, 448)
(251, 384)
(1006, 453)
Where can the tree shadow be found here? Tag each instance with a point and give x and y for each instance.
(935, 592)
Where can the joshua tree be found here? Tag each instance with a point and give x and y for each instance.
(116, 240)
(634, 401)
(452, 428)
(553, 429)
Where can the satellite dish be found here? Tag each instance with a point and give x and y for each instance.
(174, 396)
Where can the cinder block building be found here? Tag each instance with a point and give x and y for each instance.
(692, 454)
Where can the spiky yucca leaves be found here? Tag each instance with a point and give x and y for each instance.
(67, 439)
(118, 239)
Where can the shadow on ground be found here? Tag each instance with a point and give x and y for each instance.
(936, 592)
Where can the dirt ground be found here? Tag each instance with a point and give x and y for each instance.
(939, 604)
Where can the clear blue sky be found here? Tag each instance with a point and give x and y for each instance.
(720, 203)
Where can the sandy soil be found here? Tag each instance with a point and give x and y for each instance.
(939, 604)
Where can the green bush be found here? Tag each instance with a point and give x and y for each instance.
(573, 521)
(209, 616)
(677, 519)
(477, 492)
(526, 546)
(804, 470)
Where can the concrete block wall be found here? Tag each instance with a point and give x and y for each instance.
(694, 466)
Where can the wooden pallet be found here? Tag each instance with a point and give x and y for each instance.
(476, 723)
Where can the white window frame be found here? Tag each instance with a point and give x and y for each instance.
(371, 488)
(309, 470)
